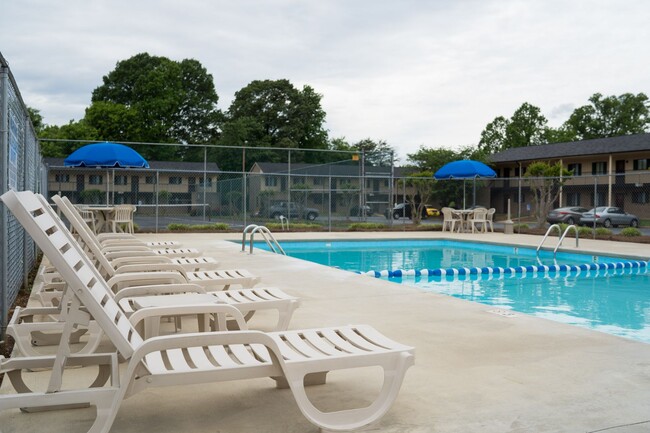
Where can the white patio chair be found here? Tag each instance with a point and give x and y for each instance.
(478, 220)
(293, 358)
(121, 219)
(490, 218)
(449, 220)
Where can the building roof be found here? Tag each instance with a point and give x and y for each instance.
(326, 169)
(153, 165)
(597, 146)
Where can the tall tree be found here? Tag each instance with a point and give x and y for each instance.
(273, 113)
(611, 116)
(164, 101)
(79, 130)
(377, 153)
(545, 181)
(526, 127)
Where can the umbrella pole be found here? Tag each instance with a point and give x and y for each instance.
(464, 206)
(107, 192)
(474, 193)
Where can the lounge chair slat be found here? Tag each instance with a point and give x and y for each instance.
(177, 360)
(304, 348)
(221, 356)
(357, 340)
(242, 353)
(199, 358)
(154, 363)
(262, 352)
(339, 342)
(318, 341)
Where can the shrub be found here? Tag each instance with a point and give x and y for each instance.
(602, 231)
(176, 227)
(294, 226)
(631, 232)
(366, 226)
(584, 232)
(520, 227)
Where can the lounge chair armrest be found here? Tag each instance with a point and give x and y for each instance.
(120, 261)
(149, 267)
(139, 277)
(190, 309)
(158, 289)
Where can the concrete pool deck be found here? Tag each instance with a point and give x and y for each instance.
(475, 371)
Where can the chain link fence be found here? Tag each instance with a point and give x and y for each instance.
(21, 168)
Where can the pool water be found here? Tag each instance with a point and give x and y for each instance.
(364, 256)
(616, 301)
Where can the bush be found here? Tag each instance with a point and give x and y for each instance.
(366, 226)
(602, 231)
(175, 227)
(520, 227)
(294, 226)
(584, 232)
(631, 232)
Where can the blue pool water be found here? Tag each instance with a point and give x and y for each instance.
(616, 301)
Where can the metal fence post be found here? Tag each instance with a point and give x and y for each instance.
(4, 230)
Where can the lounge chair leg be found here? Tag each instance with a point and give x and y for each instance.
(310, 379)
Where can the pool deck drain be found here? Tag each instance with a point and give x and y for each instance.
(502, 312)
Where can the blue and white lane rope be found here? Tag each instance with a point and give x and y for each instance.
(399, 273)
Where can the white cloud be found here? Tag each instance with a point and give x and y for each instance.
(412, 73)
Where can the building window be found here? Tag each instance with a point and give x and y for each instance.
(175, 180)
(62, 177)
(641, 164)
(298, 180)
(640, 197)
(600, 196)
(207, 183)
(599, 168)
(270, 181)
(573, 199)
(576, 169)
(318, 181)
(121, 180)
(95, 179)
(149, 179)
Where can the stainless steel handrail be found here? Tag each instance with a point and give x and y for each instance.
(270, 240)
(572, 226)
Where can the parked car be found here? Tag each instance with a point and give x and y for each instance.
(292, 211)
(566, 215)
(609, 217)
(404, 210)
(360, 211)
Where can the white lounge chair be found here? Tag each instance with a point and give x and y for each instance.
(42, 326)
(292, 358)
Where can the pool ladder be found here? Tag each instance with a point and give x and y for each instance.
(273, 244)
(559, 230)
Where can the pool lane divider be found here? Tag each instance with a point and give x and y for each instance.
(532, 269)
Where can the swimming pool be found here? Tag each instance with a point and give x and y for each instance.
(604, 293)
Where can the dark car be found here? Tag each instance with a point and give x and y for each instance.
(404, 210)
(609, 217)
(360, 211)
(566, 215)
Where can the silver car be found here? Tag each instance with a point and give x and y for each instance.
(609, 217)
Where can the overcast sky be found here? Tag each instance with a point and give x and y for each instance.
(413, 73)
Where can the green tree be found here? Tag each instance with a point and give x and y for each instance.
(526, 127)
(36, 118)
(79, 130)
(162, 101)
(273, 113)
(545, 181)
(610, 116)
(377, 153)
(422, 184)
(493, 137)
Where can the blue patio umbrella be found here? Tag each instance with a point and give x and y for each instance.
(465, 169)
(106, 155)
